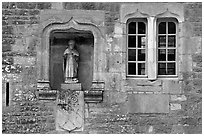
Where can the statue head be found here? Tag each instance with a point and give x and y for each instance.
(71, 44)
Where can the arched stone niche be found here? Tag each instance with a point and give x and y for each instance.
(64, 22)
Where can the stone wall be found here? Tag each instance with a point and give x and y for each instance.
(25, 113)
(115, 115)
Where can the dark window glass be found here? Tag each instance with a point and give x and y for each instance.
(166, 48)
(162, 55)
(162, 41)
(171, 54)
(171, 69)
(162, 68)
(141, 41)
(141, 55)
(132, 28)
(172, 41)
(141, 28)
(131, 41)
(171, 28)
(132, 68)
(131, 55)
(162, 28)
(141, 68)
(136, 48)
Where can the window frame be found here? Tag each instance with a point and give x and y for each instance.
(151, 48)
(144, 20)
(158, 21)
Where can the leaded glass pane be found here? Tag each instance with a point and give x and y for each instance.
(162, 41)
(131, 41)
(141, 41)
(132, 28)
(162, 68)
(141, 28)
(171, 69)
(131, 54)
(172, 41)
(171, 28)
(171, 54)
(162, 28)
(162, 54)
(131, 68)
(141, 68)
(141, 55)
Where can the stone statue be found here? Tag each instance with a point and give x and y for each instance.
(71, 57)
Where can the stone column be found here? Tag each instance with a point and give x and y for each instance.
(151, 48)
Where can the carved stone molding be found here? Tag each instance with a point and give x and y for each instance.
(141, 10)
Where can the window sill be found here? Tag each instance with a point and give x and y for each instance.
(145, 77)
(135, 77)
(167, 76)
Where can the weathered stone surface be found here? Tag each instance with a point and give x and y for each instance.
(44, 5)
(97, 17)
(172, 86)
(20, 21)
(115, 97)
(178, 98)
(142, 103)
(175, 106)
(24, 61)
(25, 5)
(115, 62)
(28, 117)
(149, 9)
(71, 86)
(71, 118)
(177, 129)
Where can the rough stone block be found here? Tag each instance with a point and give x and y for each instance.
(44, 5)
(142, 103)
(197, 48)
(172, 86)
(115, 62)
(147, 89)
(12, 5)
(113, 81)
(7, 12)
(116, 97)
(7, 30)
(177, 129)
(26, 5)
(24, 61)
(5, 5)
(21, 12)
(175, 106)
(178, 98)
(6, 48)
(185, 63)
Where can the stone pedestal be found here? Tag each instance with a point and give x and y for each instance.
(70, 108)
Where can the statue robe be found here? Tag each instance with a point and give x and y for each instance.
(70, 63)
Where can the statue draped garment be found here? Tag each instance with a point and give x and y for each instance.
(70, 63)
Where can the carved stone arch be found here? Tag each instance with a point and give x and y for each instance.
(169, 14)
(43, 52)
(136, 14)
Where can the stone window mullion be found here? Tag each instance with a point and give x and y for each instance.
(152, 63)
